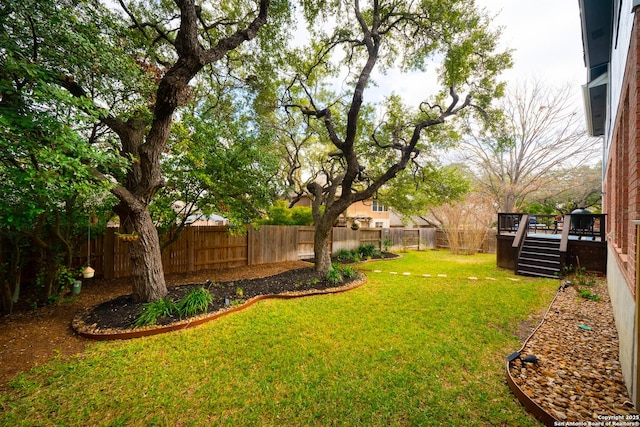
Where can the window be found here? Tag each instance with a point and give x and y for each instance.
(379, 224)
(376, 207)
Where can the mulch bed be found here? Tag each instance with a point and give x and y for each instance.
(577, 378)
(120, 314)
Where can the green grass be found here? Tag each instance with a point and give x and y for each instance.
(401, 350)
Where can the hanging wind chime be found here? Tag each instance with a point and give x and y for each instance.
(88, 272)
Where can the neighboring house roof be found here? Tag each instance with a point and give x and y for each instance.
(597, 20)
(202, 217)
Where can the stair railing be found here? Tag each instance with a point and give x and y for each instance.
(518, 241)
(564, 242)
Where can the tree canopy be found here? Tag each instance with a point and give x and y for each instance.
(362, 146)
(537, 134)
(114, 78)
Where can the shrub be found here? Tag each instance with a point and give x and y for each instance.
(587, 294)
(151, 311)
(195, 302)
(386, 244)
(334, 276)
(348, 272)
(368, 250)
(347, 255)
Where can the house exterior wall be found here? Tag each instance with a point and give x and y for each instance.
(621, 199)
(364, 209)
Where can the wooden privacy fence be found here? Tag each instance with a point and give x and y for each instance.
(207, 247)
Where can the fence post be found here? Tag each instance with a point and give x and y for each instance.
(191, 257)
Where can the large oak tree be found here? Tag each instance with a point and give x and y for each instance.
(365, 146)
(131, 79)
(540, 133)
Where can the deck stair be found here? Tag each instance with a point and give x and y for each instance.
(540, 257)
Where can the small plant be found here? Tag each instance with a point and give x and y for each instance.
(348, 272)
(195, 302)
(587, 294)
(585, 279)
(580, 275)
(386, 244)
(152, 311)
(368, 250)
(236, 302)
(239, 291)
(334, 276)
(346, 256)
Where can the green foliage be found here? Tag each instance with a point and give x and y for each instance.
(280, 214)
(80, 93)
(334, 275)
(152, 311)
(386, 244)
(368, 251)
(221, 166)
(582, 280)
(588, 294)
(579, 275)
(195, 302)
(347, 256)
(567, 189)
(414, 193)
(348, 272)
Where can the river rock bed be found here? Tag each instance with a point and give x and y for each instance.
(577, 377)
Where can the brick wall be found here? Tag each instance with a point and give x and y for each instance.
(621, 185)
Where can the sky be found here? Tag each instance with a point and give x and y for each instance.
(546, 40)
(546, 36)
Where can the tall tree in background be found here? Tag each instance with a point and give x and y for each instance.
(363, 153)
(541, 132)
(131, 80)
(568, 189)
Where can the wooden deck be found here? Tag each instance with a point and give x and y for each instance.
(581, 242)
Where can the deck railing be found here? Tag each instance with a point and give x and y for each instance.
(580, 226)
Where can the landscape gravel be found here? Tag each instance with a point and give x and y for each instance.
(577, 377)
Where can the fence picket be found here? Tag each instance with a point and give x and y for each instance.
(207, 247)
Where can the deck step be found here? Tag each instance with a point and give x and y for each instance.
(539, 257)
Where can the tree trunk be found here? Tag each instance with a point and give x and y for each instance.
(6, 303)
(321, 246)
(508, 202)
(148, 274)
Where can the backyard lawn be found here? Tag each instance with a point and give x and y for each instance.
(404, 349)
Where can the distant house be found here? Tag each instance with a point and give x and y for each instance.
(368, 213)
(211, 220)
(611, 41)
